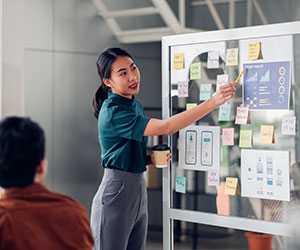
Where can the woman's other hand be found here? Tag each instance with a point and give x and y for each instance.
(169, 157)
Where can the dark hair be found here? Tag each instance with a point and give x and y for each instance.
(22, 147)
(104, 62)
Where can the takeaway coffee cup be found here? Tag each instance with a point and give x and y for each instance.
(160, 153)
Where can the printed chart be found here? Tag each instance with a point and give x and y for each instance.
(199, 148)
(265, 174)
(267, 85)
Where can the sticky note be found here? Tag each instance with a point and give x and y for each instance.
(213, 60)
(242, 115)
(205, 91)
(224, 112)
(232, 57)
(195, 71)
(180, 185)
(232, 186)
(190, 105)
(178, 61)
(254, 51)
(228, 136)
(221, 80)
(267, 134)
(245, 139)
(183, 89)
(213, 178)
(288, 126)
(222, 200)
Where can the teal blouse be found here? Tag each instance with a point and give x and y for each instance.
(121, 125)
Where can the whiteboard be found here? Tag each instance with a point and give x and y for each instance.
(245, 213)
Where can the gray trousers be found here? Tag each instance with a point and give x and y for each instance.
(119, 216)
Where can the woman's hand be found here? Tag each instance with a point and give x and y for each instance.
(225, 93)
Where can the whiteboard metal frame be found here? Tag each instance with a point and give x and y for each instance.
(170, 214)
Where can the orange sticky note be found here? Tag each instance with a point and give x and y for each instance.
(267, 134)
(178, 61)
(232, 186)
(228, 136)
(254, 51)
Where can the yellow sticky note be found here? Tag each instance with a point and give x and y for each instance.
(195, 71)
(178, 62)
(190, 105)
(232, 57)
(267, 134)
(232, 186)
(245, 139)
(254, 51)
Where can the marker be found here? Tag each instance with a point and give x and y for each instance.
(237, 79)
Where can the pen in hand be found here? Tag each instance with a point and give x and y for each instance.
(237, 79)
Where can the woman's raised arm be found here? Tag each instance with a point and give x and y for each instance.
(184, 119)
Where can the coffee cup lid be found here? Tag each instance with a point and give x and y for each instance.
(161, 147)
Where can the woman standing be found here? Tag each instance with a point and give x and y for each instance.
(119, 215)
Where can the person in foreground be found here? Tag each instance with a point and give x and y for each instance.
(119, 217)
(31, 216)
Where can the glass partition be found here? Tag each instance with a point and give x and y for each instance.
(199, 196)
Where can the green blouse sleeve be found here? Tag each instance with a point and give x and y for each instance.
(127, 124)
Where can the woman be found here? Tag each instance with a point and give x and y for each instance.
(119, 211)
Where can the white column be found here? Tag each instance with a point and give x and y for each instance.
(12, 101)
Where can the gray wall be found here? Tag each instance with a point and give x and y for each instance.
(12, 45)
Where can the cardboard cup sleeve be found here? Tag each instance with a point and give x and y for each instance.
(160, 153)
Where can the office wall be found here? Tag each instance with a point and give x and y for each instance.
(12, 45)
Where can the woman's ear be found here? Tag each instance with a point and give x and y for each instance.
(107, 82)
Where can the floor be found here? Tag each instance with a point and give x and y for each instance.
(235, 240)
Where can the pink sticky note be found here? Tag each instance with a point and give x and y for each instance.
(221, 80)
(213, 178)
(228, 136)
(183, 89)
(242, 115)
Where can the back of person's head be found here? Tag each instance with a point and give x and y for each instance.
(105, 59)
(22, 147)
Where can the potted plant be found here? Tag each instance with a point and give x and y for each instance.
(259, 241)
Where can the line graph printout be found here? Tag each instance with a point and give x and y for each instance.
(267, 85)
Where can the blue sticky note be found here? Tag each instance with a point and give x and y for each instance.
(205, 91)
(180, 185)
(224, 112)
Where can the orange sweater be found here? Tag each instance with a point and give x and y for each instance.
(36, 218)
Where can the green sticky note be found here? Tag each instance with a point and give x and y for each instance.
(190, 105)
(180, 185)
(205, 91)
(195, 71)
(245, 139)
(224, 112)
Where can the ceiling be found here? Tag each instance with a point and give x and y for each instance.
(172, 23)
